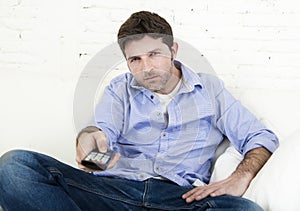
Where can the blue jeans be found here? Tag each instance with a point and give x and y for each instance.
(32, 181)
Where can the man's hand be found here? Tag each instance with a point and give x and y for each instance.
(237, 183)
(234, 185)
(91, 139)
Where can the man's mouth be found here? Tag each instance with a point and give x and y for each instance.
(151, 77)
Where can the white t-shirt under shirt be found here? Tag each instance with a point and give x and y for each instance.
(166, 98)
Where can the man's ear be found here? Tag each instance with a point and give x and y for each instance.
(174, 50)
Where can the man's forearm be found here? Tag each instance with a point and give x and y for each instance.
(238, 182)
(89, 129)
(253, 161)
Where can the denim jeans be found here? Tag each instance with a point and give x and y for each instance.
(33, 181)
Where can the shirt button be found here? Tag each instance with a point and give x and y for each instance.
(164, 135)
(141, 176)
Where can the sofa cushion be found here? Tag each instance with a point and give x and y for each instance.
(277, 185)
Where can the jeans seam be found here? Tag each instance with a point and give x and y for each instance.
(69, 182)
(211, 204)
(145, 193)
(202, 203)
(52, 171)
(161, 207)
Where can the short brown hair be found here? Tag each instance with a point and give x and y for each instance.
(144, 23)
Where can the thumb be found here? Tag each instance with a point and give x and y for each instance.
(101, 141)
(114, 160)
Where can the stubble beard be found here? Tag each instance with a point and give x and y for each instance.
(161, 85)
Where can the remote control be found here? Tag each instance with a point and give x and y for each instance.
(98, 160)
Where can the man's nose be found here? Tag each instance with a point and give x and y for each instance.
(146, 64)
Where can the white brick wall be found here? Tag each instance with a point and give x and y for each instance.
(44, 45)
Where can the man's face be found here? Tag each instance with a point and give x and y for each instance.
(150, 62)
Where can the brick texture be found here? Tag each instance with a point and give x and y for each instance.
(44, 46)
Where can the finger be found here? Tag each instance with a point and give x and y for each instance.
(218, 192)
(114, 160)
(208, 190)
(195, 190)
(85, 145)
(213, 191)
(200, 193)
(84, 168)
(203, 194)
(79, 154)
(191, 195)
(101, 141)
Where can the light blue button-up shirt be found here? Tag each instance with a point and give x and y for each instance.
(182, 148)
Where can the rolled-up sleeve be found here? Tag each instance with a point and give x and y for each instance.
(242, 127)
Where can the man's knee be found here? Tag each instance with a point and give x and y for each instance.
(13, 162)
(14, 156)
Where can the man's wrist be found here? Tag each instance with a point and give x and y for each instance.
(253, 161)
(89, 129)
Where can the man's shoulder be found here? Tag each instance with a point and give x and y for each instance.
(122, 78)
(205, 79)
(123, 85)
(210, 81)
(121, 81)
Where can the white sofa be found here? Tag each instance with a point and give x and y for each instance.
(277, 185)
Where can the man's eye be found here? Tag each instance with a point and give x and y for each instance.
(134, 59)
(154, 53)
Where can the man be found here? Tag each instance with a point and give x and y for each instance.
(164, 122)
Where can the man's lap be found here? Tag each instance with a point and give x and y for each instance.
(46, 177)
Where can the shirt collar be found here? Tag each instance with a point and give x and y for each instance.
(190, 78)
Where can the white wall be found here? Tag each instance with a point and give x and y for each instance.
(254, 46)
